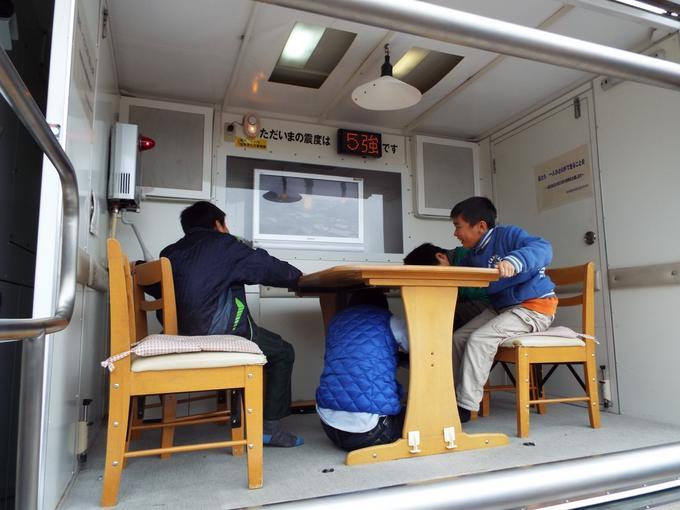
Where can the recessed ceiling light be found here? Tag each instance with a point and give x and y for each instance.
(643, 5)
(409, 61)
(300, 45)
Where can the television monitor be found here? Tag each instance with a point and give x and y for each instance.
(298, 209)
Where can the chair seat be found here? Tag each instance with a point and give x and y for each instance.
(195, 360)
(542, 341)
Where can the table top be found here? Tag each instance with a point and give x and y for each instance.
(385, 275)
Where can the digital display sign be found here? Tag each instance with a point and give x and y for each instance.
(360, 143)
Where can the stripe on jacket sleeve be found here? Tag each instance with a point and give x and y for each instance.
(515, 262)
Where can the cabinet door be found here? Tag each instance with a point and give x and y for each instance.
(447, 171)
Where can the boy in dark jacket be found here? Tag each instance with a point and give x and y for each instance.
(210, 268)
(471, 300)
(522, 301)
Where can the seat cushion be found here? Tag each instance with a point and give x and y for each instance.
(162, 345)
(542, 341)
(195, 360)
(557, 336)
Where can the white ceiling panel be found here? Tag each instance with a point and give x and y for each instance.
(192, 51)
(515, 84)
(177, 49)
(271, 29)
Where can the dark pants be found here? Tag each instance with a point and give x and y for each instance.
(466, 311)
(280, 357)
(388, 430)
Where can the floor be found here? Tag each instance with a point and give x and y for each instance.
(215, 479)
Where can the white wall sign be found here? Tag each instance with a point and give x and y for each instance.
(564, 179)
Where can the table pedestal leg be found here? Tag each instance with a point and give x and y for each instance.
(432, 424)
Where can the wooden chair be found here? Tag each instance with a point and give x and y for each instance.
(529, 353)
(144, 275)
(167, 374)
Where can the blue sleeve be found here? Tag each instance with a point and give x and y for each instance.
(527, 253)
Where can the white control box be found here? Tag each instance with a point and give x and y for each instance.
(124, 168)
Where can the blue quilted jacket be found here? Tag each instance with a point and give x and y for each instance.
(360, 364)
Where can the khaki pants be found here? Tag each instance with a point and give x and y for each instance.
(475, 345)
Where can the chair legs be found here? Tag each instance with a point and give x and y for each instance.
(237, 419)
(523, 384)
(253, 425)
(119, 409)
(590, 376)
(537, 391)
(169, 406)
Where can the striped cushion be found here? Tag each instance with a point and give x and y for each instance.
(158, 345)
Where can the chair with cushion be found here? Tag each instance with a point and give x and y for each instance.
(167, 364)
(555, 347)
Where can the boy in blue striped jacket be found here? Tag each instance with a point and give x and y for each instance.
(522, 301)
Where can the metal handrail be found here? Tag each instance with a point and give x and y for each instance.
(20, 100)
(458, 27)
(556, 482)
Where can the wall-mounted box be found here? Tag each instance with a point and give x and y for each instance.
(447, 171)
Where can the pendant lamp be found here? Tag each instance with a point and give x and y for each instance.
(387, 92)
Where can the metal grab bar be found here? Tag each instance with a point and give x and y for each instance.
(458, 27)
(20, 100)
(572, 480)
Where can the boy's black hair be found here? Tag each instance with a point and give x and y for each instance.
(201, 214)
(475, 209)
(370, 296)
(424, 255)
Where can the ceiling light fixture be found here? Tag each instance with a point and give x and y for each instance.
(386, 93)
(301, 44)
(643, 5)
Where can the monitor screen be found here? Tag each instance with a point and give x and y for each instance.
(301, 208)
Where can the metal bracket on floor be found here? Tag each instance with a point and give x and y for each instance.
(414, 441)
(450, 437)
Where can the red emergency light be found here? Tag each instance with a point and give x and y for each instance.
(145, 143)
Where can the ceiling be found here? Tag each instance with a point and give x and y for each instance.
(222, 52)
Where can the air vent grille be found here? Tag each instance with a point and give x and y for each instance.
(124, 183)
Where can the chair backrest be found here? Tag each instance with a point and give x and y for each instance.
(585, 293)
(121, 300)
(157, 273)
(128, 303)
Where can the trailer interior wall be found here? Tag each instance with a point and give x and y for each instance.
(640, 178)
(84, 102)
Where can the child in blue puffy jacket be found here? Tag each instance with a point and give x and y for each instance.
(358, 398)
(522, 301)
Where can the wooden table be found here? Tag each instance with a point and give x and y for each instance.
(429, 295)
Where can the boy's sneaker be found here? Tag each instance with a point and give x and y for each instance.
(464, 414)
(275, 435)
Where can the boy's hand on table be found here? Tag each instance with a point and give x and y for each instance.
(506, 269)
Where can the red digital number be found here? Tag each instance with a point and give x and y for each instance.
(352, 141)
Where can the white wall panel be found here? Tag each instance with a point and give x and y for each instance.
(72, 368)
(637, 141)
